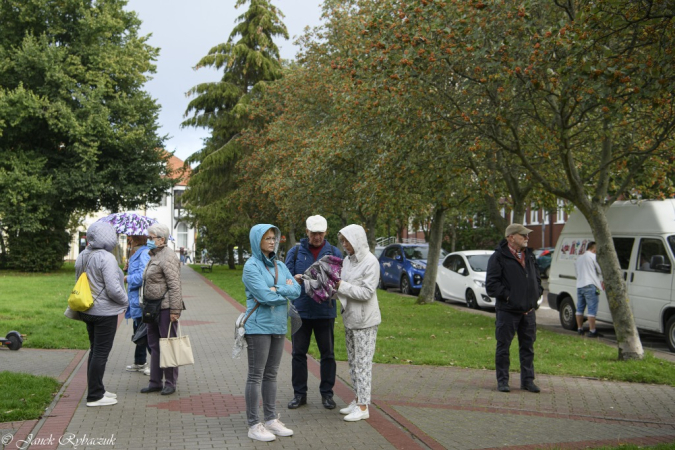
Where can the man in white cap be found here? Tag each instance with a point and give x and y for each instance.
(317, 318)
(513, 279)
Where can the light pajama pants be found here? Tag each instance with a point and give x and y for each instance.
(360, 352)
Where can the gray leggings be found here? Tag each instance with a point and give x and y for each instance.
(264, 357)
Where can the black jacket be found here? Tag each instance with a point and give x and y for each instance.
(515, 287)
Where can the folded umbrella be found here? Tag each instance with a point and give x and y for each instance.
(321, 277)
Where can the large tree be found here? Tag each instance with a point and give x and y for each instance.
(249, 59)
(77, 130)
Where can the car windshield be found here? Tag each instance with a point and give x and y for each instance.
(479, 262)
(421, 252)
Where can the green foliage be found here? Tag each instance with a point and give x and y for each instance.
(24, 396)
(33, 304)
(78, 132)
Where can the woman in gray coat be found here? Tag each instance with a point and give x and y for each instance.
(106, 281)
(162, 281)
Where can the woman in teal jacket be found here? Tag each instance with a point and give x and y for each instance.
(137, 261)
(269, 286)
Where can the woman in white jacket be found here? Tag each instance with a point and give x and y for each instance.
(357, 292)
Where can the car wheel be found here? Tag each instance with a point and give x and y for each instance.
(568, 319)
(437, 295)
(405, 285)
(471, 301)
(670, 333)
(380, 285)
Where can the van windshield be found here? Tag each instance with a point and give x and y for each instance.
(671, 242)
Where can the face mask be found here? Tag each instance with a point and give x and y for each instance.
(151, 244)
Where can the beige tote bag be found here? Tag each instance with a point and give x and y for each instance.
(175, 351)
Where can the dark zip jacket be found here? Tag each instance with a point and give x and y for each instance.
(515, 287)
(298, 259)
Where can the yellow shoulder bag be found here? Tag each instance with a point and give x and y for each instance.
(80, 298)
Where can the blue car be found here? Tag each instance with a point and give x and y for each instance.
(403, 266)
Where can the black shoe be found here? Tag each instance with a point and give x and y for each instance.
(503, 387)
(594, 334)
(580, 331)
(297, 401)
(327, 401)
(530, 387)
(168, 390)
(147, 390)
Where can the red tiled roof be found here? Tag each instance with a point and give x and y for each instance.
(179, 171)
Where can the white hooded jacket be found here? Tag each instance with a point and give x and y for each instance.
(360, 276)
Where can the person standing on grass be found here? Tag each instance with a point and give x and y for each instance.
(317, 318)
(140, 255)
(513, 279)
(269, 287)
(106, 280)
(588, 289)
(357, 292)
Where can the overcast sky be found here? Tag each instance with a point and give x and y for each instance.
(185, 30)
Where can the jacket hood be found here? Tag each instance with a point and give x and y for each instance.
(356, 236)
(255, 236)
(102, 235)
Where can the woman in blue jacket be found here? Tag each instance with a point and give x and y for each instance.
(269, 287)
(137, 261)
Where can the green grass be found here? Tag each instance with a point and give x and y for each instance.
(442, 336)
(33, 304)
(25, 397)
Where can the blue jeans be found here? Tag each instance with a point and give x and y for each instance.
(264, 357)
(101, 330)
(587, 296)
(325, 340)
(507, 325)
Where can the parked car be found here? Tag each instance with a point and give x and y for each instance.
(544, 263)
(461, 277)
(378, 251)
(542, 251)
(403, 266)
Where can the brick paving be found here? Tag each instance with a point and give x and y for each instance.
(414, 407)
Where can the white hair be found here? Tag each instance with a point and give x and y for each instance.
(160, 230)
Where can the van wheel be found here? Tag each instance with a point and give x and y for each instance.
(567, 316)
(670, 333)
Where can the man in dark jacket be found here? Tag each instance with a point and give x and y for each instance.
(513, 279)
(317, 318)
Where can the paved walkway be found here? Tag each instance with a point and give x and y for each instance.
(415, 407)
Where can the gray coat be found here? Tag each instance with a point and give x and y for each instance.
(105, 277)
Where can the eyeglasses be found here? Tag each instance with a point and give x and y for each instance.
(270, 239)
(525, 236)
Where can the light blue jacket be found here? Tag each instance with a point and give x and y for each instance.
(137, 264)
(258, 278)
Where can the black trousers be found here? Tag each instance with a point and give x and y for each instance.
(507, 325)
(101, 330)
(323, 333)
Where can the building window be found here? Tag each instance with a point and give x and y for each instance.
(534, 215)
(182, 235)
(560, 213)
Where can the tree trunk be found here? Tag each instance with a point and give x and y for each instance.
(371, 229)
(627, 337)
(435, 239)
(494, 210)
(230, 257)
(290, 242)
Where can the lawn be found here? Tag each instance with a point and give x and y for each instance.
(25, 397)
(442, 336)
(33, 304)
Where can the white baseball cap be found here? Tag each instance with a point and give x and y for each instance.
(317, 224)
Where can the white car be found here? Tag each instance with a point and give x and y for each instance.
(461, 277)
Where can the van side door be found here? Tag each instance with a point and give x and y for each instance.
(624, 251)
(650, 282)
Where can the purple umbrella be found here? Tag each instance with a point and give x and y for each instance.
(130, 224)
(321, 277)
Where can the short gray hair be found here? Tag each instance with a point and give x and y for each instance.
(160, 230)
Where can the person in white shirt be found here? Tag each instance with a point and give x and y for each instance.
(588, 289)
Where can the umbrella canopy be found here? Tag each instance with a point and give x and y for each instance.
(129, 223)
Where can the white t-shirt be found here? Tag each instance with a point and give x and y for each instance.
(588, 271)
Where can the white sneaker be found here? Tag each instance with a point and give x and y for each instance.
(146, 371)
(357, 415)
(349, 408)
(137, 367)
(278, 428)
(110, 394)
(260, 433)
(105, 401)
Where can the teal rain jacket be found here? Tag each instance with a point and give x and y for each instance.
(258, 278)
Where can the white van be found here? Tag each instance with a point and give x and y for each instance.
(644, 237)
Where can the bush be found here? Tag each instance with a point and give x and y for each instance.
(37, 252)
